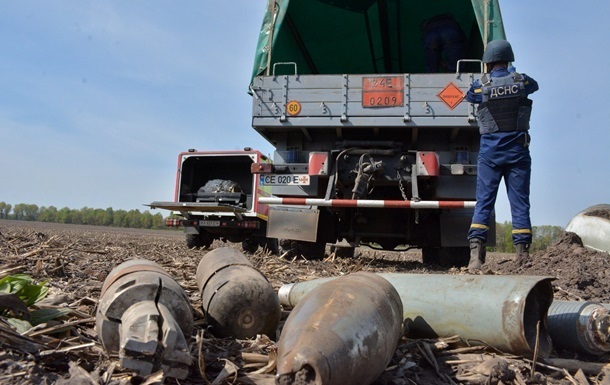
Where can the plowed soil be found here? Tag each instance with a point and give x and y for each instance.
(75, 260)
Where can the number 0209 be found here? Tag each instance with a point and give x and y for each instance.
(383, 101)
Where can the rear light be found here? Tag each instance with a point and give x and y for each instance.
(261, 168)
(248, 224)
(427, 164)
(172, 222)
(318, 163)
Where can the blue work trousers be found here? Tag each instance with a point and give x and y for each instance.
(515, 168)
(447, 39)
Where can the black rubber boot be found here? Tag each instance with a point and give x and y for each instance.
(523, 253)
(477, 255)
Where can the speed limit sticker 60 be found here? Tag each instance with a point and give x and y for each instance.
(293, 108)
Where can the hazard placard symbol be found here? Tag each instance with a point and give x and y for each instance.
(451, 95)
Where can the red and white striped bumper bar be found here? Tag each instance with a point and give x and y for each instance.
(379, 204)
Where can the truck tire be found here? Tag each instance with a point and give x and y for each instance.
(249, 245)
(307, 250)
(270, 245)
(446, 256)
(343, 252)
(198, 241)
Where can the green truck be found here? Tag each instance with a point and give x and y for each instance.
(372, 147)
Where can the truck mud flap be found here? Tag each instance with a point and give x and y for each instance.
(300, 224)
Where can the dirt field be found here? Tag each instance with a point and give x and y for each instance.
(75, 260)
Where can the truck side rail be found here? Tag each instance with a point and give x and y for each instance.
(393, 100)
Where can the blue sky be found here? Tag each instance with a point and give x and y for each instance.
(98, 98)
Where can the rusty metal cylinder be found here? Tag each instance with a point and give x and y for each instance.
(507, 312)
(237, 299)
(580, 326)
(344, 331)
(145, 317)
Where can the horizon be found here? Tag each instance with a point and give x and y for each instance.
(98, 99)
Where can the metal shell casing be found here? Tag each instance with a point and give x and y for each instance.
(501, 311)
(344, 331)
(237, 300)
(580, 326)
(145, 317)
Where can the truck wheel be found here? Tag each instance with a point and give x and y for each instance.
(270, 245)
(446, 256)
(249, 245)
(198, 241)
(308, 250)
(343, 252)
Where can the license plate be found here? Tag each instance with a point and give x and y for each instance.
(284, 180)
(206, 223)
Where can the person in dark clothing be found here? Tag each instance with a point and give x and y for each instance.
(443, 35)
(503, 114)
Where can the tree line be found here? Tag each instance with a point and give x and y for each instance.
(543, 236)
(84, 216)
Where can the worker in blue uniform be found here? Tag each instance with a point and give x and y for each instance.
(444, 43)
(503, 115)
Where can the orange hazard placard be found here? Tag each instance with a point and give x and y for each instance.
(451, 95)
(382, 91)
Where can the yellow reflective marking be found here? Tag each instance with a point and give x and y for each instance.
(478, 90)
(478, 226)
(522, 231)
